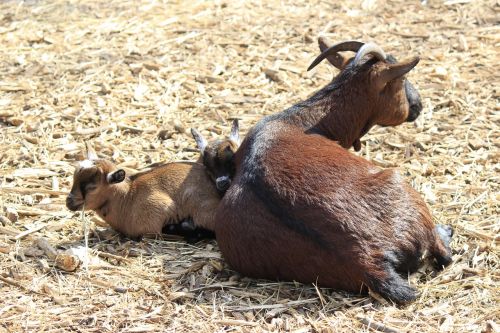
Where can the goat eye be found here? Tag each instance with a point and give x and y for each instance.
(87, 187)
(211, 175)
(90, 187)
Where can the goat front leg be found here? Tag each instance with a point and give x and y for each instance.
(382, 278)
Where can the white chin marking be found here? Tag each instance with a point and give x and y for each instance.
(86, 164)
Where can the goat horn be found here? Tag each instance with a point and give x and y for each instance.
(369, 48)
(351, 45)
(91, 154)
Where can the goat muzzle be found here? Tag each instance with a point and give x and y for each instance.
(71, 204)
(222, 183)
(414, 101)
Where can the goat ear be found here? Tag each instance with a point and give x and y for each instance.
(336, 59)
(235, 132)
(200, 140)
(397, 70)
(91, 154)
(116, 176)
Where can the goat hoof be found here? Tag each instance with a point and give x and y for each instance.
(394, 288)
(188, 225)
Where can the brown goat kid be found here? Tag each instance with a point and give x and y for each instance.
(146, 202)
(302, 208)
(218, 156)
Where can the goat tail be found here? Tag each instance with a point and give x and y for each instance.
(441, 249)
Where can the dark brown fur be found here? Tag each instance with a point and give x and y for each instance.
(218, 156)
(355, 101)
(302, 208)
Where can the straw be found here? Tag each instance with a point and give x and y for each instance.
(134, 76)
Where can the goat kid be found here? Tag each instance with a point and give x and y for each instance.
(302, 208)
(218, 156)
(146, 202)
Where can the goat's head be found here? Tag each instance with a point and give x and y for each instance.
(398, 99)
(218, 156)
(91, 182)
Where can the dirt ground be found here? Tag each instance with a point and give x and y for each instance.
(133, 76)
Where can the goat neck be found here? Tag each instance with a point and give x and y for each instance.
(114, 204)
(340, 111)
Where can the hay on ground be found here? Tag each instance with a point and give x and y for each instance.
(134, 76)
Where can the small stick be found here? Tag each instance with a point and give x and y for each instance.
(29, 231)
(9, 231)
(91, 131)
(38, 212)
(273, 306)
(107, 285)
(28, 190)
(18, 285)
(377, 326)
(12, 283)
(112, 256)
(320, 295)
(235, 322)
(86, 237)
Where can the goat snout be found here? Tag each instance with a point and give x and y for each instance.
(414, 101)
(71, 204)
(222, 183)
(414, 112)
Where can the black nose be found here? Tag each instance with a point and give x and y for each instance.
(222, 183)
(414, 101)
(70, 203)
(415, 110)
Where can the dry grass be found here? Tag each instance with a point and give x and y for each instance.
(120, 72)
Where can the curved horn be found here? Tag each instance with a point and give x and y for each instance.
(351, 45)
(336, 59)
(369, 48)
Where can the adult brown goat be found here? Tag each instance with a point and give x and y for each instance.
(146, 202)
(302, 208)
(326, 112)
(218, 156)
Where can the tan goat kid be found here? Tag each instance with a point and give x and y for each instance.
(146, 202)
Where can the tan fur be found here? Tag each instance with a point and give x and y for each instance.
(146, 202)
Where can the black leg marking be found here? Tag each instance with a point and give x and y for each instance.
(198, 234)
(393, 287)
(188, 225)
(188, 231)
